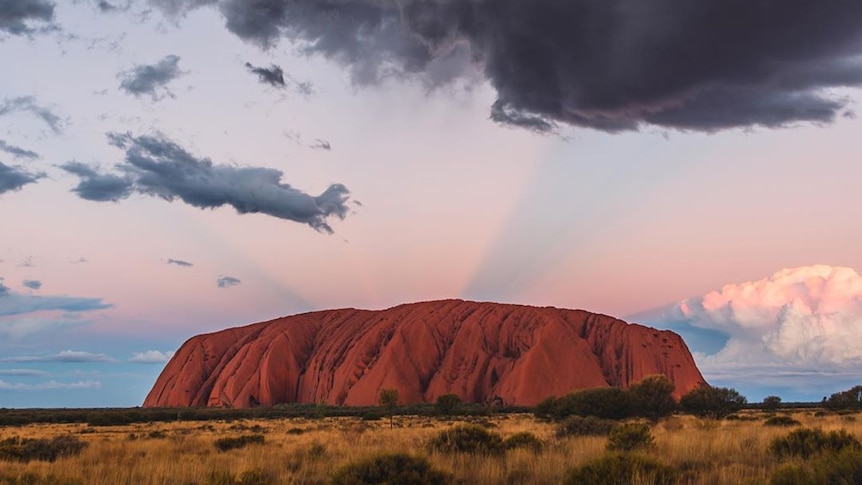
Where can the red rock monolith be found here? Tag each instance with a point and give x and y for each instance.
(483, 352)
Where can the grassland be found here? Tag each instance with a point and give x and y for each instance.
(307, 451)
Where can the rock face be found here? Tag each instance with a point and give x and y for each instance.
(483, 352)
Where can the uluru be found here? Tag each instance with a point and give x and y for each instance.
(482, 352)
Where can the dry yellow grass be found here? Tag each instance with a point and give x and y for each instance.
(707, 452)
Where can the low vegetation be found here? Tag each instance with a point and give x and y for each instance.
(446, 445)
(233, 443)
(42, 449)
(394, 468)
(616, 469)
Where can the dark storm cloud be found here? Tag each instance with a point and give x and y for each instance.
(272, 75)
(227, 281)
(28, 104)
(180, 262)
(96, 186)
(612, 65)
(32, 284)
(16, 15)
(157, 167)
(151, 79)
(17, 152)
(13, 178)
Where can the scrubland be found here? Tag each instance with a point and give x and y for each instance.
(310, 451)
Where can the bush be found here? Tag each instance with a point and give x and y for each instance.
(467, 439)
(24, 450)
(629, 437)
(585, 426)
(652, 397)
(840, 468)
(226, 444)
(524, 439)
(616, 469)
(447, 404)
(849, 399)
(770, 403)
(601, 402)
(398, 468)
(712, 402)
(781, 421)
(807, 442)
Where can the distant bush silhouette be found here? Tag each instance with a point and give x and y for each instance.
(630, 437)
(770, 403)
(227, 444)
(806, 442)
(467, 439)
(849, 399)
(393, 469)
(618, 469)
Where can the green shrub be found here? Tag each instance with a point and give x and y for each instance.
(232, 443)
(28, 449)
(807, 442)
(524, 439)
(398, 468)
(652, 397)
(371, 416)
(781, 421)
(584, 426)
(842, 468)
(617, 469)
(629, 437)
(467, 439)
(601, 402)
(447, 404)
(712, 402)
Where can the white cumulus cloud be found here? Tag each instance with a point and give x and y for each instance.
(151, 357)
(805, 318)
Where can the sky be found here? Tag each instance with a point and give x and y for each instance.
(175, 167)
